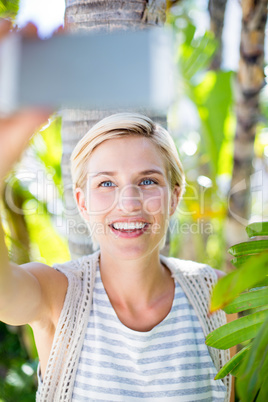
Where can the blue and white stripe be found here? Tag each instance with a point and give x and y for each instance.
(169, 363)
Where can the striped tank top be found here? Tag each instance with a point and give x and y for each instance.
(168, 363)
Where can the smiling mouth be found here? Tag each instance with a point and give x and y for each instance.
(129, 228)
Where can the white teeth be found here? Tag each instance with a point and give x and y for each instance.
(128, 226)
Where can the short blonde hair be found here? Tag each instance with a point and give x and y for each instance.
(118, 125)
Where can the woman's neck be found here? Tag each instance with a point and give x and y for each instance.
(135, 284)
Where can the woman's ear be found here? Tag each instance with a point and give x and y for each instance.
(81, 203)
(174, 199)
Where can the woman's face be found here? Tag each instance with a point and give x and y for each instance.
(127, 201)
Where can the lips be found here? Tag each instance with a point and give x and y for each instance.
(128, 228)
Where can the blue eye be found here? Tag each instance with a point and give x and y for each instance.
(107, 183)
(147, 182)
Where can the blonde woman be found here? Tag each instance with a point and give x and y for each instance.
(125, 323)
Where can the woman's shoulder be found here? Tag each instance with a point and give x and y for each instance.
(79, 265)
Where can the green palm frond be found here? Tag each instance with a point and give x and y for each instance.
(245, 289)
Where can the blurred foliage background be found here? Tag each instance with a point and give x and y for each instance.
(32, 210)
(9, 8)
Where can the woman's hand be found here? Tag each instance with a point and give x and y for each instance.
(18, 128)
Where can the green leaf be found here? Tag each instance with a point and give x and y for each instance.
(255, 365)
(213, 93)
(233, 363)
(46, 243)
(230, 286)
(257, 229)
(239, 261)
(48, 148)
(262, 396)
(195, 53)
(9, 8)
(236, 372)
(249, 247)
(189, 32)
(262, 283)
(252, 299)
(236, 331)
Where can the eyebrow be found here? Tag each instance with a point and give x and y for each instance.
(144, 172)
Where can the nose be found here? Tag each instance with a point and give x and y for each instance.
(130, 199)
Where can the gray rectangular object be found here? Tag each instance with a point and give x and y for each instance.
(123, 69)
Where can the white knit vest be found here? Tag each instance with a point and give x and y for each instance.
(195, 279)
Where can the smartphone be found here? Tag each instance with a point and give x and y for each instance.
(97, 70)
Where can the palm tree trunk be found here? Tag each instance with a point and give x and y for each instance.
(105, 16)
(217, 10)
(250, 81)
